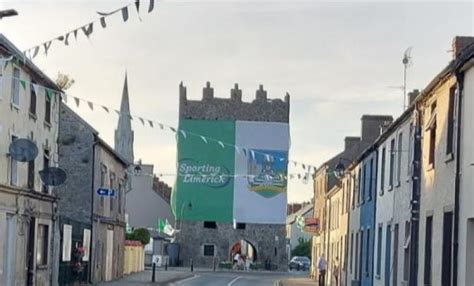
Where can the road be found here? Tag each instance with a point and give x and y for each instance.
(232, 279)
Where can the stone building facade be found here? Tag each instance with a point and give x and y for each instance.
(98, 223)
(27, 207)
(267, 239)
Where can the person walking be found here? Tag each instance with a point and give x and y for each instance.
(322, 267)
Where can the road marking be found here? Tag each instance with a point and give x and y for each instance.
(233, 281)
(187, 279)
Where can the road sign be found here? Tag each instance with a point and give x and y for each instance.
(106, 192)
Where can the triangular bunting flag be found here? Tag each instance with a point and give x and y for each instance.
(245, 151)
(237, 149)
(221, 144)
(137, 5)
(125, 13)
(150, 122)
(253, 154)
(103, 23)
(143, 121)
(152, 5)
(183, 133)
(88, 29)
(304, 167)
(91, 105)
(105, 108)
(46, 47)
(64, 96)
(172, 129)
(49, 93)
(118, 112)
(23, 83)
(204, 139)
(66, 40)
(161, 126)
(77, 100)
(299, 176)
(268, 157)
(75, 34)
(35, 51)
(36, 88)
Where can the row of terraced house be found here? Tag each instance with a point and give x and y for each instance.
(395, 206)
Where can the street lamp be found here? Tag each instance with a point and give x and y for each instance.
(8, 13)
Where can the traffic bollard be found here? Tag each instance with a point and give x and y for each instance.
(192, 265)
(214, 264)
(153, 272)
(166, 264)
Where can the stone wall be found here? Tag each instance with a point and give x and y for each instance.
(268, 240)
(211, 108)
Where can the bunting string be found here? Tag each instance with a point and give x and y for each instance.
(93, 106)
(87, 29)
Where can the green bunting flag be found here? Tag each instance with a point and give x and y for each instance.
(161, 225)
(23, 83)
(49, 93)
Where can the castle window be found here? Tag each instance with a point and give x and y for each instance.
(210, 224)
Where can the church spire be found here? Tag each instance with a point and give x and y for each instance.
(124, 133)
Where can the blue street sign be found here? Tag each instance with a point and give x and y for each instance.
(106, 192)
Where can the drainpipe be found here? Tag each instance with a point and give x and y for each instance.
(415, 199)
(460, 80)
(91, 243)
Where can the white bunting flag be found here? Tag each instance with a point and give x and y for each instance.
(237, 149)
(161, 126)
(36, 88)
(91, 105)
(105, 108)
(221, 144)
(151, 123)
(143, 121)
(253, 154)
(183, 133)
(77, 100)
(204, 139)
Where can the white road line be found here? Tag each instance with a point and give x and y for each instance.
(187, 279)
(233, 281)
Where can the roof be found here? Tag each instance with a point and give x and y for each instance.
(13, 50)
(304, 210)
(111, 150)
(79, 118)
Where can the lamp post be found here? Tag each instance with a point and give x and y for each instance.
(8, 13)
(339, 169)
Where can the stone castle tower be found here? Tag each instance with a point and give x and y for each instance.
(124, 133)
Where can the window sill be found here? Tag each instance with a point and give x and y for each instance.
(32, 116)
(47, 125)
(14, 106)
(377, 277)
(397, 185)
(42, 267)
(381, 193)
(449, 157)
(390, 188)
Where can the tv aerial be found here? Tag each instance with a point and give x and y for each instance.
(23, 150)
(407, 62)
(53, 176)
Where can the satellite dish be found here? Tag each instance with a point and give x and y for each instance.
(53, 176)
(23, 150)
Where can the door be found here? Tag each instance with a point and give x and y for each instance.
(9, 251)
(109, 256)
(395, 256)
(30, 253)
(388, 252)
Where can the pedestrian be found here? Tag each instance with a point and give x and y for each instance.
(236, 260)
(335, 270)
(322, 267)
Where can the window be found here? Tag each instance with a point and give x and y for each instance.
(42, 245)
(399, 155)
(447, 249)
(352, 252)
(371, 179)
(364, 183)
(428, 246)
(112, 187)
(31, 174)
(240, 225)
(450, 139)
(359, 180)
(382, 171)
(119, 194)
(406, 252)
(432, 129)
(103, 178)
(47, 109)
(45, 166)
(353, 180)
(210, 224)
(32, 98)
(392, 162)
(356, 257)
(13, 168)
(388, 254)
(379, 251)
(367, 252)
(16, 87)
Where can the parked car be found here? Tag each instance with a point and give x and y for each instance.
(299, 263)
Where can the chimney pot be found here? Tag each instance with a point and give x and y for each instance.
(460, 43)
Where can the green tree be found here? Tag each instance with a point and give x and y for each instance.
(303, 248)
(139, 234)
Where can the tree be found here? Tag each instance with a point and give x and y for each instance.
(303, 248)
(64, 81)
(139, 234)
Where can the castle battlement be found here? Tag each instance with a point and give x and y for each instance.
(233, 108)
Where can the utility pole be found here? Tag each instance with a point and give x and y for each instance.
(8, 13)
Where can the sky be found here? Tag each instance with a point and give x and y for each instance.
(337, 60)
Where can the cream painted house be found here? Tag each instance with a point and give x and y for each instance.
(26, 206)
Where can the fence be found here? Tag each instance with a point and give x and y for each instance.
(134, 257)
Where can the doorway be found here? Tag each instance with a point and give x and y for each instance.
(245, 249)
(9, 250)
(30, 252)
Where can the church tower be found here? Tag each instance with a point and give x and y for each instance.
(124, 133)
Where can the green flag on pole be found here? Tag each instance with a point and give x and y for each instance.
(161, 225)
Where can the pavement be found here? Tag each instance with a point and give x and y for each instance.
(297, 281)
(144, 278)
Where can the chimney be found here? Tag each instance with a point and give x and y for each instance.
(459, 43)
(182, 91)
(350, 142)
(236, 93)
(412, 95)
(373, 125)
(261, 94)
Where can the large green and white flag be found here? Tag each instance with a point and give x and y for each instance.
(165, 227)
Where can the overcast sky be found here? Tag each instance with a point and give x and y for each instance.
(338, 60)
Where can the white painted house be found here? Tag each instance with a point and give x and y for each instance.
(293, 233)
